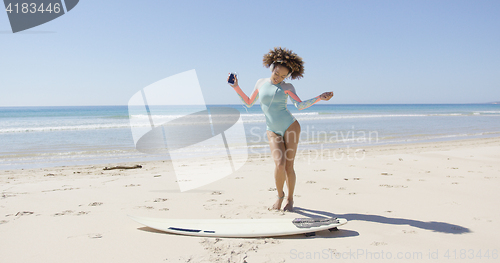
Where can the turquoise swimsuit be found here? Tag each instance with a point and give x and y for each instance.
(273, 101)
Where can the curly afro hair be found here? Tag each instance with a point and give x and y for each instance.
(285, 58)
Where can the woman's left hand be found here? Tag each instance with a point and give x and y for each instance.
(326, 95)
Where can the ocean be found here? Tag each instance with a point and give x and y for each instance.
(36, 137)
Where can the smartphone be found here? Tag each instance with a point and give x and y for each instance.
(232, 77)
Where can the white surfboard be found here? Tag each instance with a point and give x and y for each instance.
(241, 227)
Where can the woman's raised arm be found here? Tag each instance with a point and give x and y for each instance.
(299, 104)
(246, 100)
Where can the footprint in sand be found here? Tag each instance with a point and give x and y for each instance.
(3, 222)
(64, 213)
(378, 244)
(60, 189)
(51, 174)
(310, 182)
(145, 207)
(83, 213)
(24, 213)
(216, 193)
(7, 195)
(229, 250)
(208, 207)
(95, 204)
(393, 186)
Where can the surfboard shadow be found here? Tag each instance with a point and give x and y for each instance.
(152, 230)
(435, 226)
(323, 234)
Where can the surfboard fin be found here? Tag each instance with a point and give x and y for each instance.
(313, 222)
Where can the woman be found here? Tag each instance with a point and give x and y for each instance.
(283, 130)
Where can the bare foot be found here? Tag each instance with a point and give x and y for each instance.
(277, 205)
(289, 205)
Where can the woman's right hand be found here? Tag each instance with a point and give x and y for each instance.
(235, 81)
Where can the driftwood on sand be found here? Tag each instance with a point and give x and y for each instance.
(123, 167)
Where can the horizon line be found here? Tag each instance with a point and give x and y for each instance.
(468, 103)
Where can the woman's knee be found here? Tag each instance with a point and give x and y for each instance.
(279, 159)
(289, 167)
(280, 165)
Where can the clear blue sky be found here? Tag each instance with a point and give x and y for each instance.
(102, 52)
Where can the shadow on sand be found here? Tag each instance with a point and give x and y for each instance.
(441, 227)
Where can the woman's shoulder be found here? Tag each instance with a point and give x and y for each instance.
(287, 86)
(260, 82)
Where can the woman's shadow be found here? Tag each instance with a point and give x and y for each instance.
(441, 227)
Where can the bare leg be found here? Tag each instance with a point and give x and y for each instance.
(278, 153)
(291, 137)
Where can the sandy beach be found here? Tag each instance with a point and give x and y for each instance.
(428, 202)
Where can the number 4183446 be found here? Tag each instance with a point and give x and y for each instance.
(33, 8)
